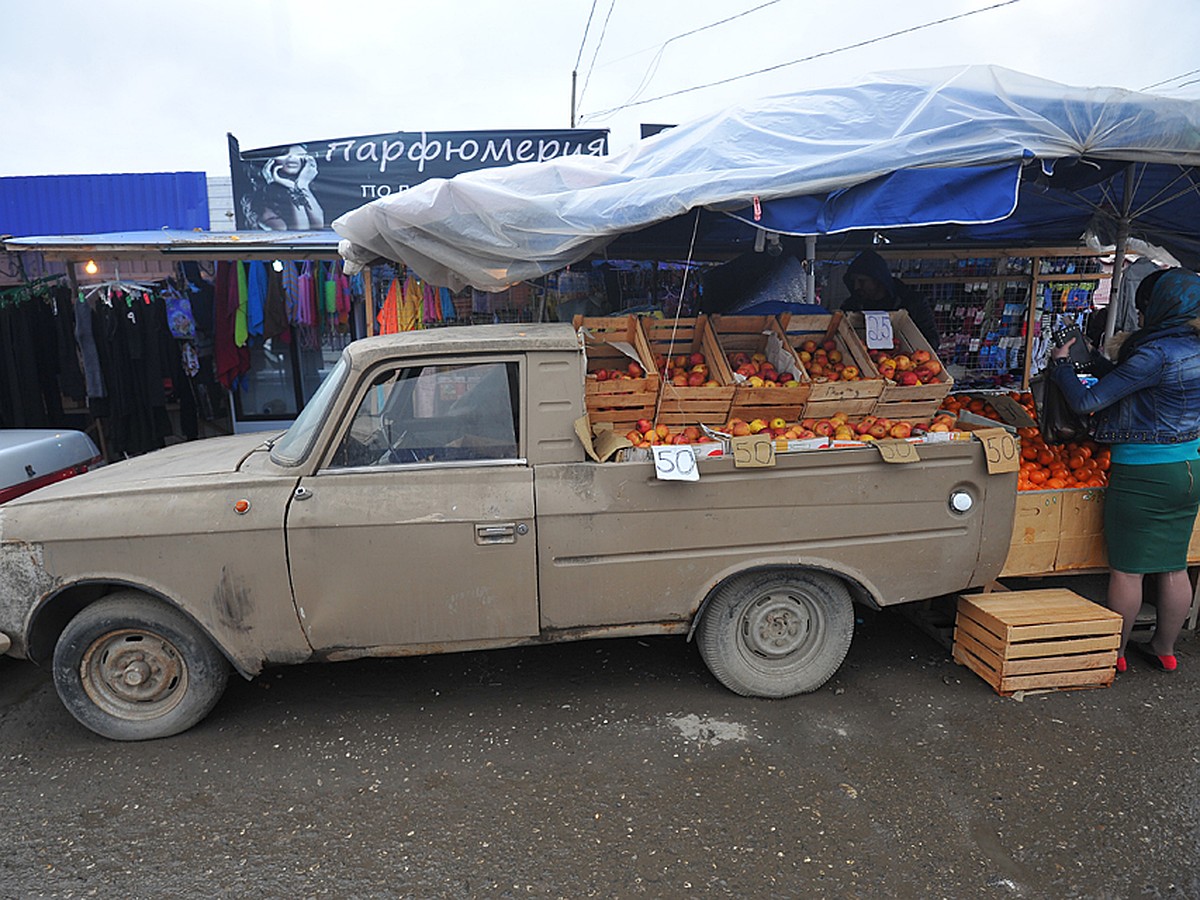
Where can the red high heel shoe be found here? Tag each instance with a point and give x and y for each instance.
(1162, 663)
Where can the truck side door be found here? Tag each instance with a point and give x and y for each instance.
(418, 526)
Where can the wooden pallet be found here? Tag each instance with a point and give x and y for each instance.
(1049, 639)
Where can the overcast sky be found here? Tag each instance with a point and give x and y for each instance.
(154, 85)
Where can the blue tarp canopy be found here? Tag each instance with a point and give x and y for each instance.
(954, 157)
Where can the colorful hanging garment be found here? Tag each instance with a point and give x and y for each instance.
(388, 319)
(431, 311)
(447, 301)
(240, 330)
(291, 289)
(256, 297)
(343, 299)
(410, 309)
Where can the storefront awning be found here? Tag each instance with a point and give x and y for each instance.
(182, 245)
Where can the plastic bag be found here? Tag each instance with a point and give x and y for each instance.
(1058, 423)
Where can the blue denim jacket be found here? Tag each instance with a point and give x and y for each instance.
(1151, 398)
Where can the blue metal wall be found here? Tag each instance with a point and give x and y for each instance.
(94, 204)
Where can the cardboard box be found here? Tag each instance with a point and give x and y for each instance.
(1050, 639)
(683, 405)
(1036, 525)
(612, 344)
(762, 334)
(855, 398)
(1081, 532)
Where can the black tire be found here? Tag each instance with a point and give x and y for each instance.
(777, 633)
(132, 668)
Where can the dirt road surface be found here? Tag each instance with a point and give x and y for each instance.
(615, 769)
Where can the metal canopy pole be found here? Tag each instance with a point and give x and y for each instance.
(1118, 276)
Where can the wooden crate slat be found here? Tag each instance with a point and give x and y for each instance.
(1033, 649)
(1089, 678)
(1075, 662)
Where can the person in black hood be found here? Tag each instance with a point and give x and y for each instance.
(872, 287)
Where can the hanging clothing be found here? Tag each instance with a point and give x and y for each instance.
(410, 306)
(92, 374)
(275, 315)
(241, 331)
(230, 360)
(389, 314)
(447, 302)
(256, 297)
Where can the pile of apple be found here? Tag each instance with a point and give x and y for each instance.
(839, 427)
(759, 371)
(685, 370)
(823, 362)
(629, 373)
(907, 369)
(646, 434)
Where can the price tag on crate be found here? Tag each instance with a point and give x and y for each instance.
(879, 331)
(1000, 449)
(753, 451)
(675, 462)
(897, 451)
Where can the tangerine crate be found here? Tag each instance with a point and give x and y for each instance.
(831, 395)
(690, 404)
(1048, 639)
(898, 401)
(762, 335)
(612, 344)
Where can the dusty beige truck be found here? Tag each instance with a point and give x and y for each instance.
(432, 497)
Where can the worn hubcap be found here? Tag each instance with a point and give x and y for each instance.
(134, 674)
(776, 626)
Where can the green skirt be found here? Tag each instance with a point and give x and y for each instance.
(1149, 513)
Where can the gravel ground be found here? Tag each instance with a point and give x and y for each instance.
(614, 769)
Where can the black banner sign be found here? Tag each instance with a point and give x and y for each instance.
(305, 186)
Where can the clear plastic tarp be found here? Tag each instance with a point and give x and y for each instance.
(494, 227)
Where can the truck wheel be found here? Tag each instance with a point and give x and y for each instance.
(131, 668)
(775, 634)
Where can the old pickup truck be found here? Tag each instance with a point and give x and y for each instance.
(434, 496)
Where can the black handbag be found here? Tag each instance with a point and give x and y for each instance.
(1059, 423)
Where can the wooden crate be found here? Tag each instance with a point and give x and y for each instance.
(682, 404)
(762, 334)
(912, 401)
(1049, 639)
(612, 343)
(828, 396)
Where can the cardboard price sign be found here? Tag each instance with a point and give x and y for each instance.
(1000, 449)
(898, 451)
(753, 451)
(879, 331)
(675, 462)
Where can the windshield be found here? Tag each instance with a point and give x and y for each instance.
(295, 443)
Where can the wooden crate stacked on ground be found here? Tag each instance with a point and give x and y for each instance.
(685, 404)
(762, 335)
(896, 401)
(1049, 639)
(829, 396)
(608, 343)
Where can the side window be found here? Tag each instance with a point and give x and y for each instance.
(429, 414)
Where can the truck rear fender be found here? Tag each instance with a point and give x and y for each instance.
(861, 590)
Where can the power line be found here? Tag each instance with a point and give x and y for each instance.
(654, 63)
(586, 28)
(599, 43)
(1172, 78)
(688, 33)
(854, 46)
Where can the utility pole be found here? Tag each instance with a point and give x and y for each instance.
(574, 77)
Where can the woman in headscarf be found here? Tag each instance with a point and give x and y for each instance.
(1148, 409)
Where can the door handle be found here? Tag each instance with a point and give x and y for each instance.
(505, 533)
